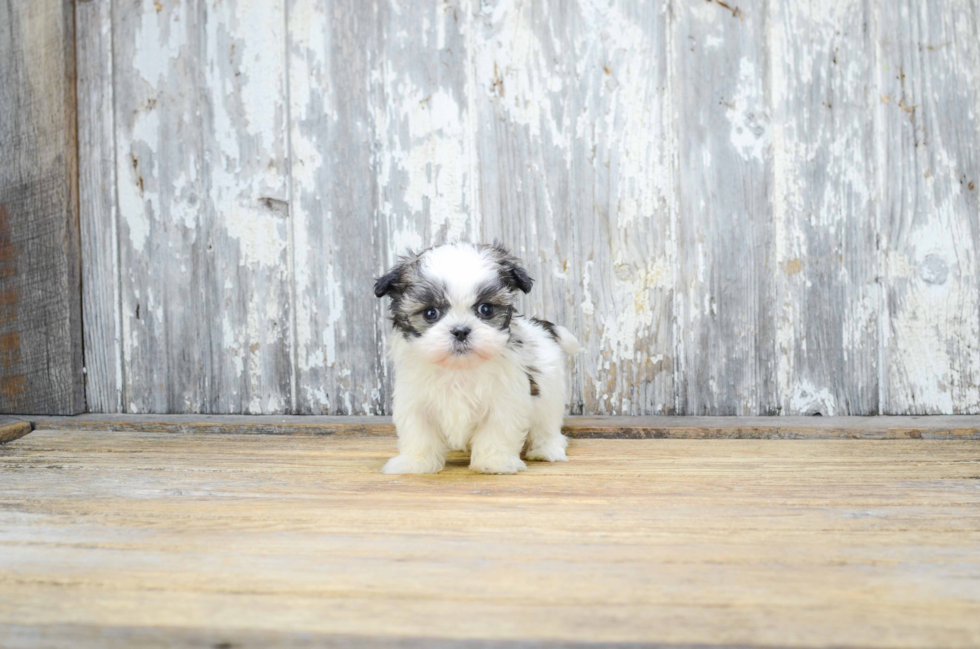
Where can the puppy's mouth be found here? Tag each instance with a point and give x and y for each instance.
(461, 348)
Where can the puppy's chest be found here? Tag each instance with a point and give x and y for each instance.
(459, 407)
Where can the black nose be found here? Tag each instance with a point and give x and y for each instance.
(461, 333)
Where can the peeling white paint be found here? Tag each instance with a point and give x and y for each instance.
(809, 400)
(749, 121)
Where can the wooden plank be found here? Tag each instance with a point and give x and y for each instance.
(331, 52)
(247, 206)
(427, 161)
(379, 132)
(929, 139)
(162, 183)
(194, 538)
(98, 217)
(204, 207)
(828, 298)
(40, 302)
(224, 424)
(725, 270)
(12, 428)
(683, 427)
(577, 175)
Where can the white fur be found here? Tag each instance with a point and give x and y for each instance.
(480, 401)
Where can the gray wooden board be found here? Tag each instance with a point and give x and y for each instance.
(97, 207)
(768, 208)
(726, 359)
(162, 190)
(336, 98)
(576, 169)
(827, 300)
(631, 427)
(203, 198)
(40, 294)
(929, 133)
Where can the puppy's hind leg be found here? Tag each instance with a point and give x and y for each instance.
(545, 443)
(421, 447)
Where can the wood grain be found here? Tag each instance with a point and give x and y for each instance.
(335, 68)
(162, 189)
(631, 427)
(726, 351)
(97, 207)
(577, 174)
(203, 195)
(243, 539)
(247, 274)
(828, 298)
(929, 134)
(40, 293)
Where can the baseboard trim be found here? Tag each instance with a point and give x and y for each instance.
(12, 428)
(964, 427)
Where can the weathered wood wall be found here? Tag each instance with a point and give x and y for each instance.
(768, 208)
(40, 294)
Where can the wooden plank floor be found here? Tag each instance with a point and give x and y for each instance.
(146, 539)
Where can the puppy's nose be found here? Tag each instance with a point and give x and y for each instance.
(460, 332)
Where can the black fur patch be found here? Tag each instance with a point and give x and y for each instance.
(411, 294)
(535, 390)
(548, 327)
(498, 295)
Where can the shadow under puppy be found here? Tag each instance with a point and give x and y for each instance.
(469, 374)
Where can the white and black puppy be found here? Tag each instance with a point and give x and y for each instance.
(469, 373)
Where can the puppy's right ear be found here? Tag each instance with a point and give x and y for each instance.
(394, 280)
(388, 282)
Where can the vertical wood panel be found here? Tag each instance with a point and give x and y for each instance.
(576, 168)
(725, 261)
(427, 157)
(247, 208)
(97, 207)
(203, 199)
(929, 138)
(164, 243)
(334, 95)
(383, 160)
(40, 291)
(822, 58)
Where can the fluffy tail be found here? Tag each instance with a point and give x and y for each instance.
(567, 342)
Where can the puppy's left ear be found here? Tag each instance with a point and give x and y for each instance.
(512, 270)
(521, 279)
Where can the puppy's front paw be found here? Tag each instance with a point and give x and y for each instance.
(549, 453)
(497, 464)
(406, 464)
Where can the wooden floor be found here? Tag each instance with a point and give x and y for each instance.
(147, 539)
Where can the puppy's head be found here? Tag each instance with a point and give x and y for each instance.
(453, 303)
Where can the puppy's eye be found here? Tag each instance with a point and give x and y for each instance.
(485, 310)
(431, 314)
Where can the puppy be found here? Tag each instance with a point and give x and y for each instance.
(469, 373)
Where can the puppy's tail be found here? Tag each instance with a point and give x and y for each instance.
(567, 342)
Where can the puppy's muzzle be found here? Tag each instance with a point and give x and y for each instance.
(460, 333)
